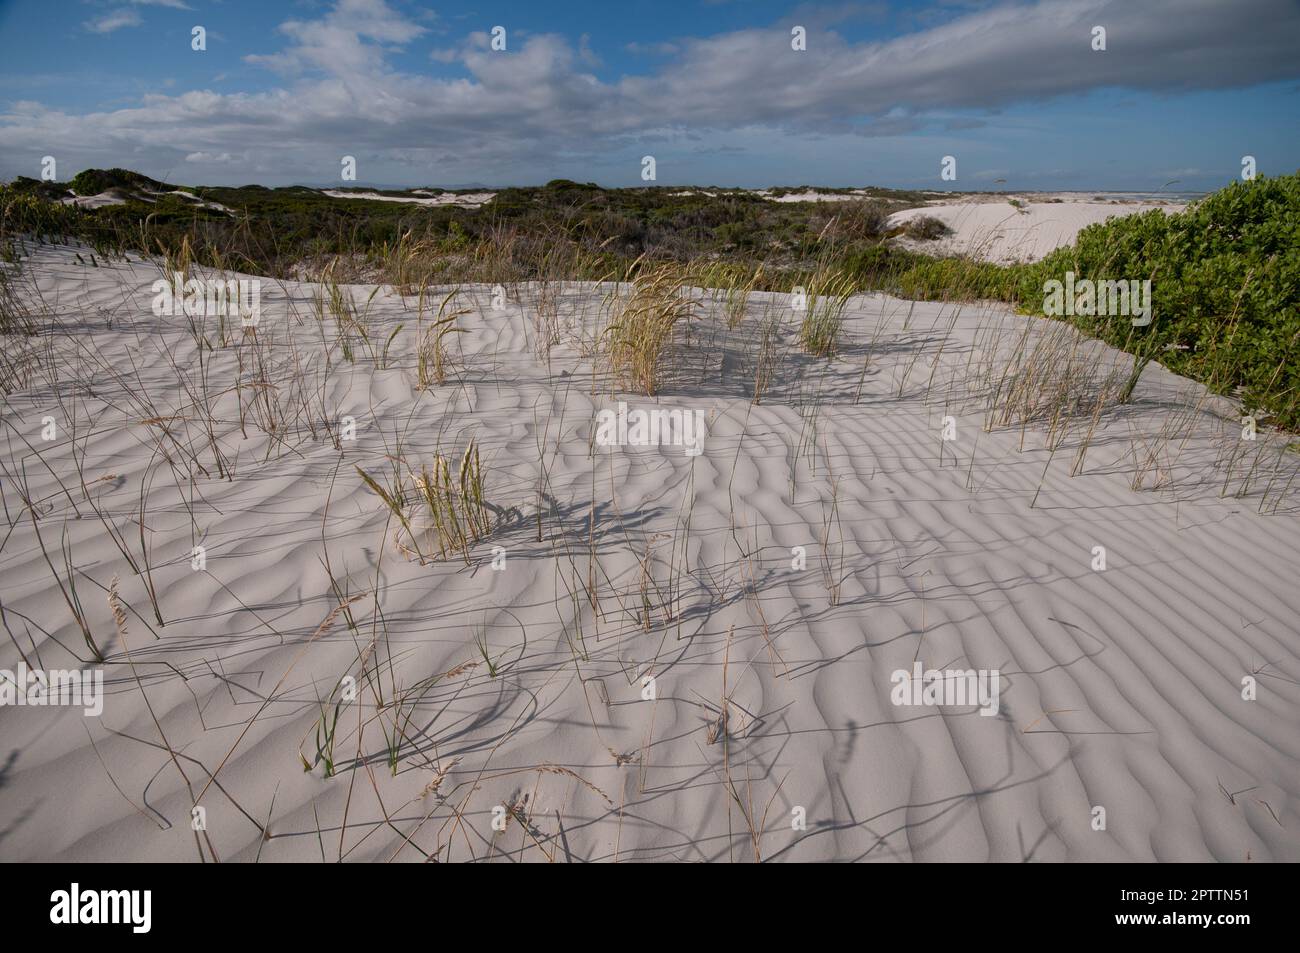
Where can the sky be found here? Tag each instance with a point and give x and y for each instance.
(714, 90)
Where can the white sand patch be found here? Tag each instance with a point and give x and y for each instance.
(467, 199)
(850, 195)
(101, 200)
(1119, 689)
(994, 230)
(194, 199)
(119, 196)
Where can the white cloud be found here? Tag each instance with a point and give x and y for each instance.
(540, 103)
(125, 16)
(337, 43)
(114, 20)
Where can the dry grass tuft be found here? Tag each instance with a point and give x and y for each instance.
(828, 295)
(638, 340)
(454, 504)
(433, 360)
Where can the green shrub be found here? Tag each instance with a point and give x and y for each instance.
(959, 279)
(94, 181)
(1225, 289)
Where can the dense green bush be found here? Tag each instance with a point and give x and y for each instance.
(1225, 289)
(48, 190)
(95, 181)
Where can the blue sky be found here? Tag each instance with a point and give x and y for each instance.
(711, 89)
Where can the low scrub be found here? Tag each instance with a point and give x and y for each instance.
(926, 228)
(959, 279)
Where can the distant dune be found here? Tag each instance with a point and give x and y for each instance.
(470, 200)
(992, 229)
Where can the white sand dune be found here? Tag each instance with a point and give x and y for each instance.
(195, 200)
(467, 199)
(809, 195)
(1121, 689)
(995, 230)
(100, 200)
(119, 196)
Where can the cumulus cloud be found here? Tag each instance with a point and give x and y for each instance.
(341, 95)
(337, 44)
